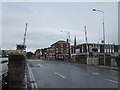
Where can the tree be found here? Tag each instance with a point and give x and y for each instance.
(29, 55)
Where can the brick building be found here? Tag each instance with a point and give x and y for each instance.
(50, 53)
(40, 53)
(59, 51)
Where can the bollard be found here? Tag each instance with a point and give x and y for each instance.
(16, 70)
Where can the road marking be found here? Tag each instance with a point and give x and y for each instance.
(34, 85)
(95, 73)
(110, 80)
(39, 65)
(105, 78)
(59, 75)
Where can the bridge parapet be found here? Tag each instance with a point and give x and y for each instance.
(16, 70)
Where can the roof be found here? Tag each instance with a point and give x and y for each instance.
(60, 42)
(97, 44)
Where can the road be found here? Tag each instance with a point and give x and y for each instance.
(59, 74)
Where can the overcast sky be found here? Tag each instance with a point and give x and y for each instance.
(46, 20)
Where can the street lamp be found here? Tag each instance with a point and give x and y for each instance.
(103, 31)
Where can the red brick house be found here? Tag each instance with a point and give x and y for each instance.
(60, 50)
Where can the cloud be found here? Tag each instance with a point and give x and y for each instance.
(0, 25)
(46, 20)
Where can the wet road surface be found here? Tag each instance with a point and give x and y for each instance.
(59, 74)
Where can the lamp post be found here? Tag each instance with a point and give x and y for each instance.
(103, 31)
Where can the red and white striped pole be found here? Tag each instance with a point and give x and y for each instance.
(86, 43)
(25, 36)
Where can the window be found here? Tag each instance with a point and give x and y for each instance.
(77, 50)
(67, 45)
(61, 45)
(67, 50)
(56, 51)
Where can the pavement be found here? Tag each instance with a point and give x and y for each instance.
(59, 74)
(109, 67)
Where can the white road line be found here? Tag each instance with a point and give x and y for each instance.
(59, 75)
(34, 85)
(39, 65)
(29, 70)
(105, 78)
(95, 73)
(110, 80)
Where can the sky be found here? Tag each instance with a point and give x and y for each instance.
(47, 19)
